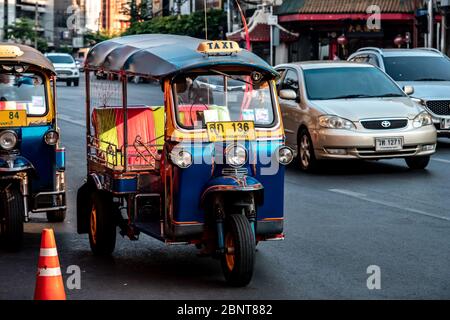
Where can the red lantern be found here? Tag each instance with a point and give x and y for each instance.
(342, 40)
(398, 41)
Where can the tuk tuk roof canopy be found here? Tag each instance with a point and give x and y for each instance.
(161, 55)
(28, 56)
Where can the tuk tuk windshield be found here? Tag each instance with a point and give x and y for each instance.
(23, 92)
(217, 98)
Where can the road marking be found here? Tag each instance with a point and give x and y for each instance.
(440, 160)
(65, 118)
(362, 196)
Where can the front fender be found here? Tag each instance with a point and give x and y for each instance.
(231, 184)
(14, 164)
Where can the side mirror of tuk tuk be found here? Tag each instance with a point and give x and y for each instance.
(289, 94)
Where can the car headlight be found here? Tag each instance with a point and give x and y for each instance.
(235, 155)
(422, 119)
(285, 155)
(335, 122)
(181, 158)
(51, 137)
(8, 140)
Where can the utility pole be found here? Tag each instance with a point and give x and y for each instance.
(36, 23)
(430, 24)
(229, 15)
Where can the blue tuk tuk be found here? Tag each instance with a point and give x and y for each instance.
(205, 168)
(31, 160)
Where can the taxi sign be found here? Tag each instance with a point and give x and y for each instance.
(218, 47)
(13, 118)
(9, 51)
(231, 131)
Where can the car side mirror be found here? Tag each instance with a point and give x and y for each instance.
(288, 94)
(409, 90)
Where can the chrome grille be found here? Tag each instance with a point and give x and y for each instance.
(238, 172)
(439, 107)
(66, 72)
(385, 124)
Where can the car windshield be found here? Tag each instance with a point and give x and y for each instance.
(60, 59)
(23, 92)
(216, 98)
(418, 68)
(349, 82)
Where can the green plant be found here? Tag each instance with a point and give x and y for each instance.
(191, 25)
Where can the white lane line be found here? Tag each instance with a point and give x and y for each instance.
(440, 160)
(362, 196)
(65, 118)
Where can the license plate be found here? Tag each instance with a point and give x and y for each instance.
(224, 131)
(13, 118)
(445, 123)
(388, 144)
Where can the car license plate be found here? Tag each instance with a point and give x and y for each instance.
(388, 144)
(17, 118)
(229, 131)
(445, 123)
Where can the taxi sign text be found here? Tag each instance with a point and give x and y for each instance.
(228, 131)
(9, 51)
(218, 47)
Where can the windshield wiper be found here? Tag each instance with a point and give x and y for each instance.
(431, 79)
(351, 96)
(231, 77)
(387, 95)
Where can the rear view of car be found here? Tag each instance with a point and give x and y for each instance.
(66, 68)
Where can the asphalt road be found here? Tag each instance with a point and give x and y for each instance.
(338, 223)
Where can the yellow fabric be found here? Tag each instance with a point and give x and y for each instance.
(107, 131)
(158, 116)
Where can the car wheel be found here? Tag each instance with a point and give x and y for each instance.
(418, 163)
(306, 158)
(76, 83)
(68, 83)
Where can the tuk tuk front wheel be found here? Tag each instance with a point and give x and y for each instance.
(239, 257)
(102, 226)
(11, 214)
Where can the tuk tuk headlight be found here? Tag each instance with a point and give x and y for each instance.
(422, 119)
(236, 156)
(181, 158)
(285, 155)
(51, 137)
(8, 140)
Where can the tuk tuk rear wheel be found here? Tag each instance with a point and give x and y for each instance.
(12, 214)
(239, 257)
(102, 226)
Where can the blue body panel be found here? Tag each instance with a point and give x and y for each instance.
(190, 184)
(61, 159)
(41, 155)
(125, 185)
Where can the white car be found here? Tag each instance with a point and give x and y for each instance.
(66, 68)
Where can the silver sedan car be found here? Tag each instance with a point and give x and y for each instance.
(342, 110)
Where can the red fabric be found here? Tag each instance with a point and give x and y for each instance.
(190, 113)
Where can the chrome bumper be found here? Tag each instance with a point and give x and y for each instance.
(361, 144)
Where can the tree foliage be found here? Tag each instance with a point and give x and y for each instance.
(22, 31)
(191, 25)
(92, 38)
(137, 12)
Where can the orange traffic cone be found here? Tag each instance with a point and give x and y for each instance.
(49, 282)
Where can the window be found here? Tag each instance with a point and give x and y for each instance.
(291, 81)
(216, 98)
(360, 59)
(23, 92)
(66, 59)
(373, 60)
(418, 68)
(280, 79)
(349, 82)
